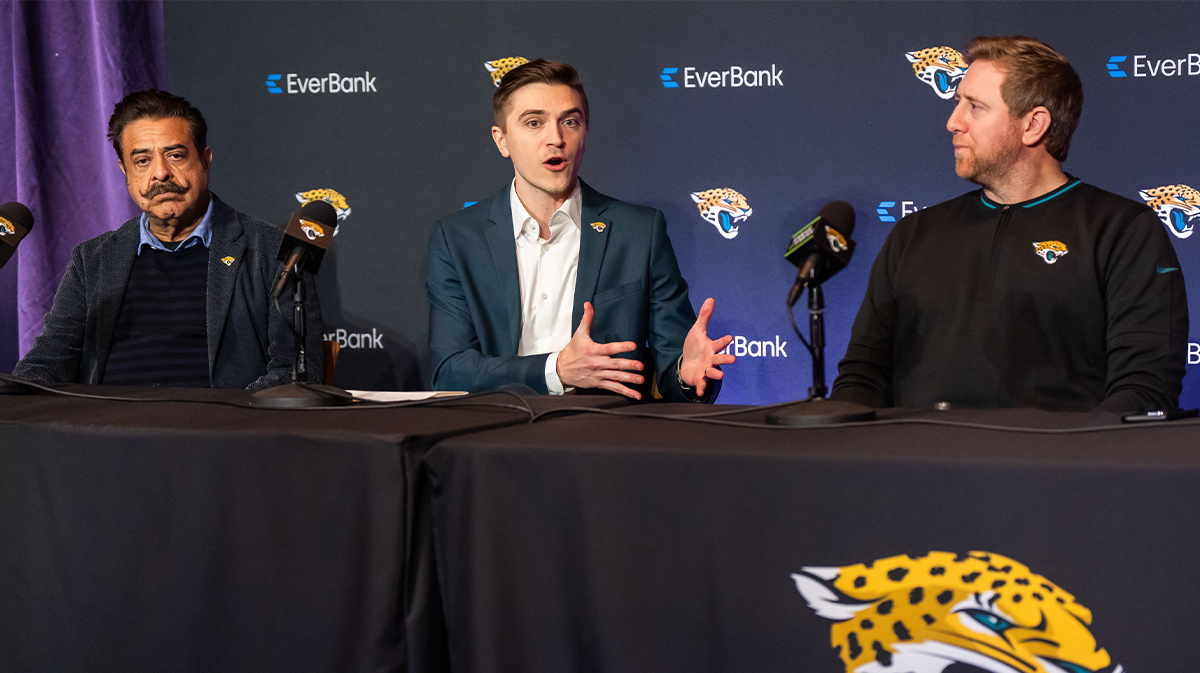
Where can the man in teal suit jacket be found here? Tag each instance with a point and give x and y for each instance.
(628, 306)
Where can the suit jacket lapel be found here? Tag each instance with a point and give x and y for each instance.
(593, 239)
(119, 254)
(504, 256)
(226, 242)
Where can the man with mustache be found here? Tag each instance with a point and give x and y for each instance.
(1037, 290)
(180, 296)
(553, 285)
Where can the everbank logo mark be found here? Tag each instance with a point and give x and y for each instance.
(331, 83)
(884, 210)
(735, 77)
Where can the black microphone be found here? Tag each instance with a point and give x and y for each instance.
(15, 223)
(822, 247)
(309, 234)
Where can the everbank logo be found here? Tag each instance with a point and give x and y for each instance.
(747, 348)
(734, 77)
(331, 83)
(356, 340)
(1144, 66)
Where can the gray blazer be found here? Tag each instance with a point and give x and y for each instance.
(250, 344)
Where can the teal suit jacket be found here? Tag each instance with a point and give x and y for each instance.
(627, 270)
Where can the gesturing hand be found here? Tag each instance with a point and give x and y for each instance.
(701, 354)
(587, 364)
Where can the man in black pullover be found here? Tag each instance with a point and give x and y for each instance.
(1035, 291)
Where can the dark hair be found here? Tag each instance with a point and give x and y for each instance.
(1035, 75)
(538, 71)
(155, 104)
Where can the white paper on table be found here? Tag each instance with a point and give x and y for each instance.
(402, 396)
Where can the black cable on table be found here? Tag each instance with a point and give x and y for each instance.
(458, 400)
(707, 419)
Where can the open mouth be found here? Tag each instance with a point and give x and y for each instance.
(946, 81)
(1181, 222)
(555, 163)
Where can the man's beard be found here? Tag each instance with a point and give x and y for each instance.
(990, 170)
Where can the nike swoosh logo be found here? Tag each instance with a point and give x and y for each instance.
(1165, 269)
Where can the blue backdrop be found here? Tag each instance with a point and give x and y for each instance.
(840, 113)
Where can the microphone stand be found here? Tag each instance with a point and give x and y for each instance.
(300, 394)
(817, 409)
(816, 340)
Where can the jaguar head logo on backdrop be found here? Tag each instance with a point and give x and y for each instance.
(329, 196)
(6, 227)
(1176, 205)
(501, 66)
(940, 67)
(723, 208)
(930, 613)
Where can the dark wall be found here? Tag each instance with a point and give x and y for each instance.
(850, 121)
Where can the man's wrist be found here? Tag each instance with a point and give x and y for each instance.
(679, 376)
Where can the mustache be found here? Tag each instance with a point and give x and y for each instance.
(168, 187)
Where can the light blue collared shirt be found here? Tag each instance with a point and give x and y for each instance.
(201, 234)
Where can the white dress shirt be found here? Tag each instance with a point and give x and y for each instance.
(547, 269)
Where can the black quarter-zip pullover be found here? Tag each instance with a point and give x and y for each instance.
(1071, 300)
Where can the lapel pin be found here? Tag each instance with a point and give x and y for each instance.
(599, 226)
(227, 260)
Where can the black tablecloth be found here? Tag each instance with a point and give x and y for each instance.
(192, 536)
(611, 543)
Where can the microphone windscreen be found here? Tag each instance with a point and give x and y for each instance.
(17, 214)
(840, 216)
(320, 212)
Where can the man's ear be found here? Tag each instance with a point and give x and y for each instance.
(121, 165)
(500, 140)
(1037, 123)
(206, 157)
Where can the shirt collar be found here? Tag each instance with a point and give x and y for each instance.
(1072, 183)
(572, 208)
(202, 234)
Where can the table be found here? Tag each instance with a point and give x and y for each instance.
(619, 542)
(192, 535)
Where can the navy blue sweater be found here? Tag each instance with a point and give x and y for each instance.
(161, 337)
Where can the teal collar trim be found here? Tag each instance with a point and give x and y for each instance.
(1072, 183)
(1061, 190)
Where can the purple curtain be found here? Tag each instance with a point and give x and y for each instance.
(71, 63)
